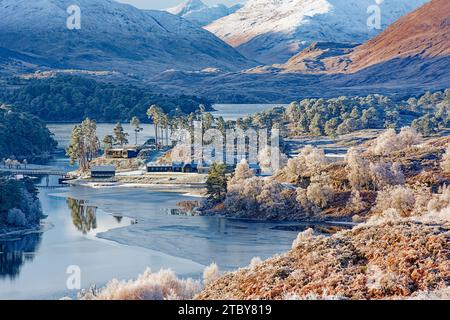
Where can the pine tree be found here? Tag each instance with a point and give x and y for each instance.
(84, 144)
(136, 124)
(108, 141)
(216, 183)
(120, 136)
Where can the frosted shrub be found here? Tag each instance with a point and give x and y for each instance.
(302, 237)
(400, 198)
(409, 137)
(385, 144)
(441, 200)
(357, 169)
(211, 274)
(162, 285)
(355, 203)
(384, 174)
(389, 142)
(243, 196)
(256, 261)
(445, 164)
(389, 215)
(16, 218)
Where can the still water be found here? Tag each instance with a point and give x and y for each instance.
(119, 232)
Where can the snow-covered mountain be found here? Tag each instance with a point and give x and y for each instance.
(200, 13)
(271, 31)
(113, 36)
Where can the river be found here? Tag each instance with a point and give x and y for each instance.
(118, 232)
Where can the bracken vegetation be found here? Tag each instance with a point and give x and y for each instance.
(391, 260)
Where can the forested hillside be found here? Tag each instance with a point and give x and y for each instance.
(24, 136)
(72, 99)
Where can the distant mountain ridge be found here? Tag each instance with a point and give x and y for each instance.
(113, 36)
(198, 12)
(422, 34)
(407, 59)
(272, 31)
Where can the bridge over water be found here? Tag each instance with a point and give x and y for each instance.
(41, 172)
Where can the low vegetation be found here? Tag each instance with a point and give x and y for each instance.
(390, 260)
(162, 285)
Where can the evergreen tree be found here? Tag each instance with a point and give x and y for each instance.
(84, 144)
(136, 124)
(216, 183)
(120, 136)
(108, 141)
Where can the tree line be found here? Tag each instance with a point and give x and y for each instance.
(24, 136)
(72, 99)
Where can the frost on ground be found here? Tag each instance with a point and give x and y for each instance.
(394, 260)
(162, 285)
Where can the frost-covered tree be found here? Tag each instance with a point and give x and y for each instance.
(243, 197)
(242, 172)
(384, 174)
(400, 198)
(120, 136)
(309, 162)
(84, 144)
(357, 169)
(270, 199)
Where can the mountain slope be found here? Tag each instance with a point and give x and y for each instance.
(410, 57)
(113, 36)
(271, 31)
(198, 12)
(421, 35)
(424, 33)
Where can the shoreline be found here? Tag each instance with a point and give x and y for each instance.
(43, 227)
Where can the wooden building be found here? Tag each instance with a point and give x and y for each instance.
(103, 172)
(122, 153)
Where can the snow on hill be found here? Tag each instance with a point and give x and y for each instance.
(271, 31)
(113, 36)
(198, 12)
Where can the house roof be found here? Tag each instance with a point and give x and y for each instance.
(103, 169)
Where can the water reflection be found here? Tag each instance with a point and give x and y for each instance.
(15, 253)
(84, 216)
